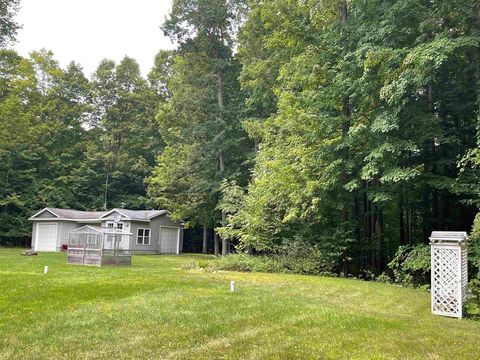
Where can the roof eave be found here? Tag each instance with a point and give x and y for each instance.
(114, 210)
(159, 214)
(67, 219)
(41, 211)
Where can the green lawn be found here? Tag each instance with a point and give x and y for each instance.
(157, 309)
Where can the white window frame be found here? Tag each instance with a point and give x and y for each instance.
(143, 237)
(113, 225)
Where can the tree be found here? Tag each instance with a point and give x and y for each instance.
(124, 138)
(366, 124)
(8, 26)
(42, 109)
(201, 119)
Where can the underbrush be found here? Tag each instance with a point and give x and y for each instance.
(293, 259)
(261, 263)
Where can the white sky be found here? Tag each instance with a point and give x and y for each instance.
(88, 31)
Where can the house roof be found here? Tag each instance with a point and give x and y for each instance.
(76, 214)
(136, 214)
(68, 214)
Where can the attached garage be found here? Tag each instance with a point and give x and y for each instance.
(46, 237)
(169, 242)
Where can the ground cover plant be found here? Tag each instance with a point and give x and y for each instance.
(160, 309)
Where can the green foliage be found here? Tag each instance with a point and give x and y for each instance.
(8, 25)
(411, 265)
(472, 305)
(296, 258)
(359, 125)
(474, 247)
(247, 263)
(200, 123)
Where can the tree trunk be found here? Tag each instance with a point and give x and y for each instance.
(346, 122)
(221, 158)
(434, 201)
(224, 240)
(105, 203)
(343, 11)
(215, 243)
(401, 221)
(221, 106)
(410, 226)
(205, 239)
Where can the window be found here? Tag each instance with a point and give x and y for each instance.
(143, 236)
(112, 225)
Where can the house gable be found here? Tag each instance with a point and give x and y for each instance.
(44, 214)
(110, 214)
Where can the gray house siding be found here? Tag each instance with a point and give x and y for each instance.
(46, 215)
(63, 229)
(135, 225)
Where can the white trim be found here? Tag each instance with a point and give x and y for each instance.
(178, 241)
(96, 220)
(149, 237)
(36, 236)
(114, 210)
(41, 211)
(115, 225)
(105, 231)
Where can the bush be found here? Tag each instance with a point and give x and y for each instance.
(299, 257)
(472, 306)
(474, 249)
(411, 265)
(384, 278)
(294, 258)
(247, 263)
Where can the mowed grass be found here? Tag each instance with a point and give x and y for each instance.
(157, 309)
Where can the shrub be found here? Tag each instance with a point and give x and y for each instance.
(247, 263)
(411, 265)
(474, 248)
(384, 278)
(472, 306)
(203, 263)
(295, 258)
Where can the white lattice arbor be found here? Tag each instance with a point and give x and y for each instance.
(449, 272)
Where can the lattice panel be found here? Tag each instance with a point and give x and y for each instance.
(446, 281)
(464, 274)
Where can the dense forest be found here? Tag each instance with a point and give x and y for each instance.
(349, 127)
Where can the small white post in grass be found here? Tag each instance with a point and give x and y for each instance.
(232, 286)
(45, 270)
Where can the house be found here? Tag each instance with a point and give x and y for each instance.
(152, 230)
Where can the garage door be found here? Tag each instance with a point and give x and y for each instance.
(168, 240)
(46, 237)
